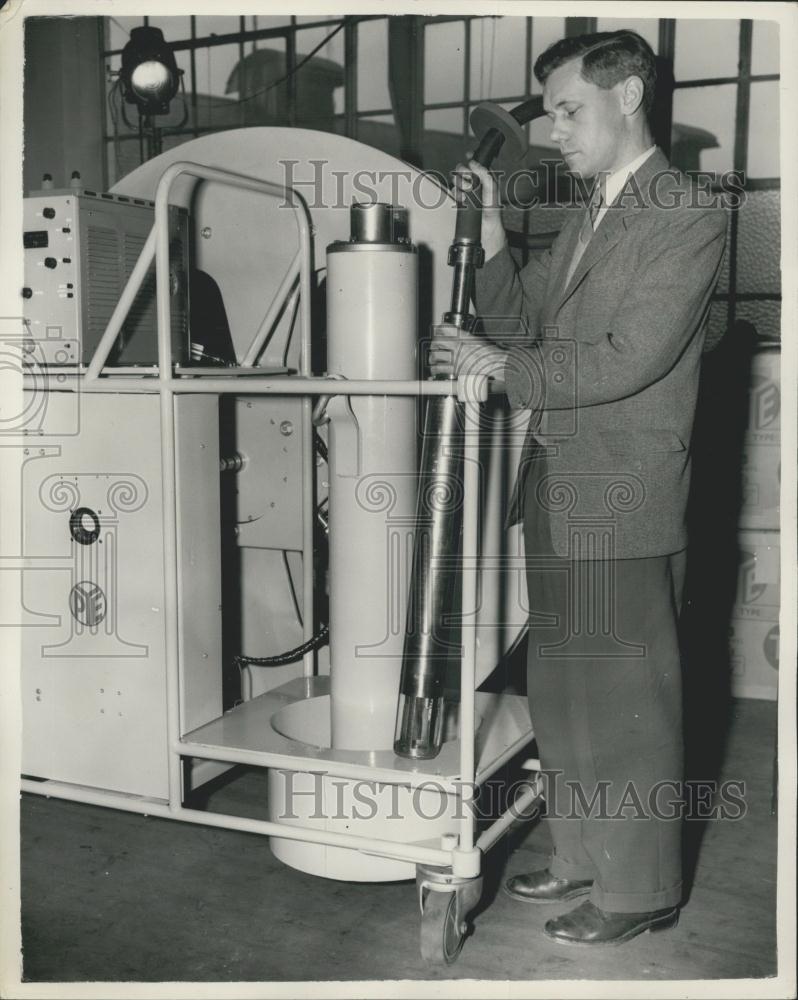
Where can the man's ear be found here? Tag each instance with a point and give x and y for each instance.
(632, 93)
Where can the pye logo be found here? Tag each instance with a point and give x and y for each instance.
(87, 603)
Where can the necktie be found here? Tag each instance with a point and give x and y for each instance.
(586, 232)
(596, 201)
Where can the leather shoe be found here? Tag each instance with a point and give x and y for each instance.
(588, 925)
(543, 887)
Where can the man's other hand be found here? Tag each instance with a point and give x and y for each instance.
(465, 354)
(493, 238)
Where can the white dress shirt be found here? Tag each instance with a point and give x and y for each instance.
(616, 181)
(611, 189)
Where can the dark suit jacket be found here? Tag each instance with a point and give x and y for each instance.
(610, 363)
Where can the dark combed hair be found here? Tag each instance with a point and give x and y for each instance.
(608, 57)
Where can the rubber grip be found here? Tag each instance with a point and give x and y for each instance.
(489, 145)
(469, 216)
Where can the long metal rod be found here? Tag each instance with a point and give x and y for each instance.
(357, 771)
(368, 845)
(489, 770)
(289, 385)
(512, 815)
(471, 486)
(277, 304)
(168, 481)
(119, 315)
(308, 454)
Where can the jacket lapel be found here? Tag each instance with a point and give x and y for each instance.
(566, 247)
(629, 202)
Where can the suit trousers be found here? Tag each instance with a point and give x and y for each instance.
(604, 688)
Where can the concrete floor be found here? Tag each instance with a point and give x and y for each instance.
(115, 896)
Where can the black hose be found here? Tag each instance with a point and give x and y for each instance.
(314, 642)
(291, 656)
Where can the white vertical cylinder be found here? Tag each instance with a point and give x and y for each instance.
(371, 334)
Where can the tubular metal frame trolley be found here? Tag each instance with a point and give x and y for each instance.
(491, 729)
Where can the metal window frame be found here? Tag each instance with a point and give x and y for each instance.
(666, 48)
(288, 32)
(351, 115)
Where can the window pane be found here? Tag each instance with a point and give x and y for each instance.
(703, 128)
(498, 57)
(216, 106)
(545, 32)
(759, 243)
(765, 47)
(308, 39)
(123, 157)
(256, 22)
(442, 142)
(180, 109)
(255, 97)
(183, 60)
(317, 83)
(372, 66)
(379, 131)
(763, 130)
(444, 62)
(310, 18)
(175, 29)
(112, 67)
(215, 65)
(119, 29)
(647, 28)
(766, 317)
(444, 120)
(706, 49)
(217, 26)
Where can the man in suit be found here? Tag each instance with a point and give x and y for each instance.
(615, 315)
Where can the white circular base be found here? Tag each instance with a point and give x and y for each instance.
(363, 807)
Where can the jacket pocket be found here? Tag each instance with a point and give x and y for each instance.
(642, 442)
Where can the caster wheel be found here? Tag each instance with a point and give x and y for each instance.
(441, 937)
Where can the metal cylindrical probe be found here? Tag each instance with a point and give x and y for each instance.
(372, 222)
(427, 646)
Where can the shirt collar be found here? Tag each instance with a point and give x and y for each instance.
(616, 181)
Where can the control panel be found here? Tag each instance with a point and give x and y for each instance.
(80, 248)
(51, 296)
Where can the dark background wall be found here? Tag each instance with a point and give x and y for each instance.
(64, 101)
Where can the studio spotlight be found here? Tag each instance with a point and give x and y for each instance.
(149, 75)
